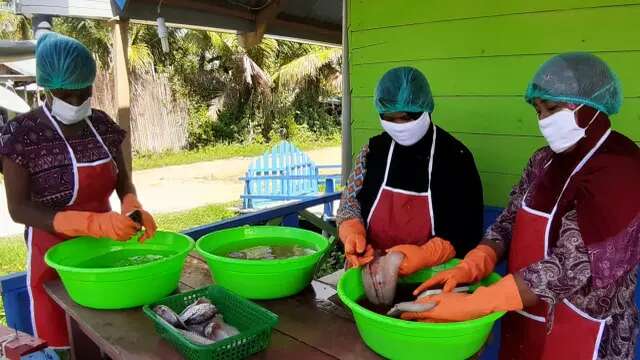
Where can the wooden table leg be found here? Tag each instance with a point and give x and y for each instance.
(82, 347)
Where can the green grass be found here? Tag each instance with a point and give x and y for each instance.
(183, 220)
(218, 152)
(13, 251)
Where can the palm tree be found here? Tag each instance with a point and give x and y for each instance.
(320, 64)
(305, 82)
(96, 35)
(14, 27)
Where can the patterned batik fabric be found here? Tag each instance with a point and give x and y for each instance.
(566, 273)
(31, 142)
(349, 204)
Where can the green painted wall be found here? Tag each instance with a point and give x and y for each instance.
(479, 57)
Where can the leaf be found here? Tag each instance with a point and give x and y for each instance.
(307, 67)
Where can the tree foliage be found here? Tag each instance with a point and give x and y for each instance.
(274, 89)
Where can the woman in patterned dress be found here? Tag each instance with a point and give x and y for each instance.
(415, 189)
(571, 229)
(61, 162)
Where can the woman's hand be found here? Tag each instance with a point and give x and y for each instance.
(501, 296)
(353, 236)
(434, 252)
(83, 223)
(130, 204)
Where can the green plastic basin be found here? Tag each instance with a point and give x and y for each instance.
(86, 267)
(261, 279)
(399, 339)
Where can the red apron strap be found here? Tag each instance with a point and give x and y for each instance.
(399, 216)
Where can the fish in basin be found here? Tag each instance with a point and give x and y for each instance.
(380, 278)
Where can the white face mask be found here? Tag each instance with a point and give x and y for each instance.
(561, 129)
(69, 114)
(408, 133)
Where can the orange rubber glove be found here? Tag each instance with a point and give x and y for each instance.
(501, 296)
(130, 203)
(477, 265)
(434, 252)
(353, 235)
(82, 223)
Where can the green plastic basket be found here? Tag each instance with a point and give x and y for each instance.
(253, 322)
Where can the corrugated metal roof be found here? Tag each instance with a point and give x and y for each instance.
(313, 20)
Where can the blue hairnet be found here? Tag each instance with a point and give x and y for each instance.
(63, 63)
(403, 89)
(577, 78)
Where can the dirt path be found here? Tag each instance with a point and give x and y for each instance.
(183, 187)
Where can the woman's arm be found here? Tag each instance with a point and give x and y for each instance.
(349, 205)
(125, 184)
(498, 235)
(21, 208)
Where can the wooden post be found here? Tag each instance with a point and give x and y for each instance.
(347, 156)
(120, 33)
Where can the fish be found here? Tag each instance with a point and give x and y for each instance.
(198, 328)
(169, 316)
(409, 306)
(217, 329)
(432, 292)
(380, 278)
(195, 338)
(198, 314)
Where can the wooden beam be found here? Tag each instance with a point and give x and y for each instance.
(294, 27)
(263, 18)
(347, 156)
(120, 33)
(210, 7)
(28, 78)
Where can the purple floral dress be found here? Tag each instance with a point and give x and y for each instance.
(31, 142)
(567, 272)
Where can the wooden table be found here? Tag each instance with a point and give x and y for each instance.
(312, 326)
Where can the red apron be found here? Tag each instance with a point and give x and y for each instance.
(399, 216)
(93, 184)
(574, 335)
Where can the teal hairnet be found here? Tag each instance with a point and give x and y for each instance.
(403, 89)
(63, 63)
(577, 78)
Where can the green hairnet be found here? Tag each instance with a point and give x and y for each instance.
(63, 63)
(577, 78)
(403, 89)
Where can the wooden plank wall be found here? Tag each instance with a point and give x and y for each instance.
(479, 57)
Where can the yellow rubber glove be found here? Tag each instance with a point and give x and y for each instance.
(353, 235)
(477, 265)
(82, 223)
(501, 296)
(434, 252)
(130, 203)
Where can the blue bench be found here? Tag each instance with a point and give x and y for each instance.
(283, 174)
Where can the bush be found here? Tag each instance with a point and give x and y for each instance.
(201, 127)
